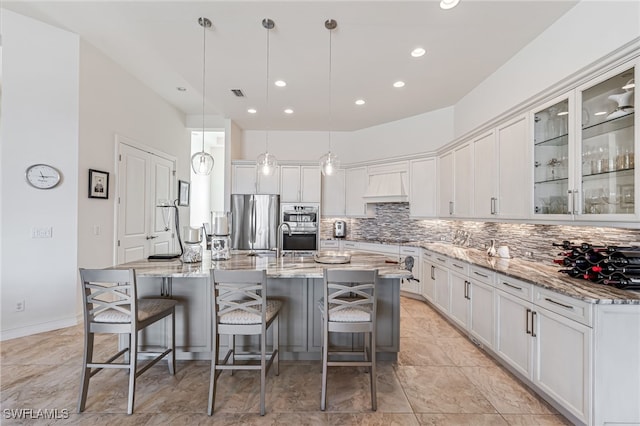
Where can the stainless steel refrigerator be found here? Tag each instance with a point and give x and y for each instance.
(254, 221)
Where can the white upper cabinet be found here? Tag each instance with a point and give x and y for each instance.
(244, 179)
(513, 169)
(485, 172)
(463, 181)
(584, 147)
(247, 181)
(445, 185)
(356, 181)
(422, 188)
(300, 184)
(333, 194)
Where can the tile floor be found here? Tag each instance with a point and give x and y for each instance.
(440, 378)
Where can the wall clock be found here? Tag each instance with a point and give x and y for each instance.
(42, 176)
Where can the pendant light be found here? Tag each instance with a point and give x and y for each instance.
(329, 163)
(202, 162)
(267, 162)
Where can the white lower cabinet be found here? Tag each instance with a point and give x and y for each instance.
(481, 312)
(459, 307)
(547, 348)
(442, 287)
(562, 364)
(513, 336)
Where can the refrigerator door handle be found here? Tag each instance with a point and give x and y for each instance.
(252, 221)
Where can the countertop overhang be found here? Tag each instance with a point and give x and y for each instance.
(284, 267)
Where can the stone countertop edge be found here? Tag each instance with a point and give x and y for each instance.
(536, 273)
(287, 267)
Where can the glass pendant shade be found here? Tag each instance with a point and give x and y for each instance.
(329, 163)
(267, 164)
(202, 163)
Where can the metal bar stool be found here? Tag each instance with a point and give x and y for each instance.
(241, 307)
(349, 306)
(111, 305)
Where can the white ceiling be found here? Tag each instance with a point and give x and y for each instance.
(161, 44)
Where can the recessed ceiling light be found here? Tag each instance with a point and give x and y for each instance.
(600, 113)
(288, 111)
(181, 89)
(280, 83)
(252, 110)
(417, 52)
(360, 102)
(448, 4)
(398, 84)
(561, 113)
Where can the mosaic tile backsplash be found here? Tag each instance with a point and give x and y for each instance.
(392, 224)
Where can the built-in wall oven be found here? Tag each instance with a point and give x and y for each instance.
(303, 219)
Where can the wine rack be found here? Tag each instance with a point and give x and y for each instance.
(608, 265)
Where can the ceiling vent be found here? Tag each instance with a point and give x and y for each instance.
(238, 93)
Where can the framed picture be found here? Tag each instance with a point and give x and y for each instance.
(183, 193)
(98, 184)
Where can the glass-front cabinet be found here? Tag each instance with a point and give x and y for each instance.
(551, 158)
(585, 146)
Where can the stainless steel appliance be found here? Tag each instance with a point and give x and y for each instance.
(303, 221)
(254, 221)
(339, 229)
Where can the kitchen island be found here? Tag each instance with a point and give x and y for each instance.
(295, 280)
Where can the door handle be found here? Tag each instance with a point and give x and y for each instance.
(450, 207)
(494, 208)
(466, 290)
(526, 319)
(151, 237)
(534, 314)
(433, 270)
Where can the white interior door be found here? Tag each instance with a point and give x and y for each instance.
(145, 180)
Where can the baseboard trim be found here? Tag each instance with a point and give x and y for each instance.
(37, 328)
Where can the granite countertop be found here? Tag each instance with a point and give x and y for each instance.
(537, 273)
(285, 267)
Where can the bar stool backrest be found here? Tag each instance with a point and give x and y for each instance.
(109, 296)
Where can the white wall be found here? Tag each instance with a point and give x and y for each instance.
(586, 33)
(63, 103)
(39, 125)
(414, 135)
(114, 102)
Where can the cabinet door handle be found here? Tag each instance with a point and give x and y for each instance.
(433, 271)
(526, 320)
(494, 205)
(482, 275)
(466, 290)
(450, 207)
(570, 201)
(468, 287)
(576, 201)
(512, 286)
(558, 303)
(534, 314)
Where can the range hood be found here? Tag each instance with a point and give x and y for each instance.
(387, 188)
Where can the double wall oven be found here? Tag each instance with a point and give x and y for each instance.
(303, 219)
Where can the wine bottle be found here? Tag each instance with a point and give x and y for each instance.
(573, 272)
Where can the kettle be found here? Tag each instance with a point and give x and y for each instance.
(339, 229)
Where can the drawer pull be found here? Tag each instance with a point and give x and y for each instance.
(482, 275)
(558, 303)
(512, 286)
(441, 260)
(458, 266)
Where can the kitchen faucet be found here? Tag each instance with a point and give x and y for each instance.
(279, 247)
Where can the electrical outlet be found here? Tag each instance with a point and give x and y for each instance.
(46, 232)
(20, 306)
